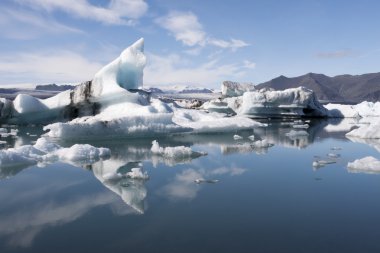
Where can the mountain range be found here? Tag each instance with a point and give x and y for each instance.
(338, 89)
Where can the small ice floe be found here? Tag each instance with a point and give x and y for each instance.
(293, 133)
(3, 130)
(237, 137)
(175, 152)
(333, 155)
(336, 148)
(322, 163)
(46, 152)
(210, 181)
(251, 137)
(304, 126)
(137, 173)
(298, 122)
(2, 143)
(367, 164)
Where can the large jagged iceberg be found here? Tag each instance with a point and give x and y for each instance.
(294, 102)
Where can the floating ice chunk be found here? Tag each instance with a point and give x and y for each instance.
(305, 126)
(322, 163)
(251, 137)
(210, 181)
(43, 151)
(237, 137)
(175, 152)
(364, 109)
(44, 145)
(137, 173)
(333, 155)
(367, 164)
(82, 152)
(293, 133)
(10, 158)
(3, 130)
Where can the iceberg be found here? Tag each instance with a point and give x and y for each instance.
(113, 105)
(47, 152)
(364, 109)
(294, 102)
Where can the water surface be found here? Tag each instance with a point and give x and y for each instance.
(266, 199)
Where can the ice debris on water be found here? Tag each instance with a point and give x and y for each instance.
(175, 152)
(251, 137)
(322, 163)
(237, 137)
(210, 181)
(333, 155)
(46, 152)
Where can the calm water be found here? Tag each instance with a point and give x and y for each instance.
(266, 200)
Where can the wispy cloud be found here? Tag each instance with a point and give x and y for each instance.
(173, 69)
(48, 66)
(17, 24)
(117, 12)
(186, 28)
(335, 54)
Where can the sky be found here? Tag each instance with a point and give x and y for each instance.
(198, 42)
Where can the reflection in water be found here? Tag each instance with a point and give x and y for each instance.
(50, 203)
(184, 186)
(132, 191)
(375, 143)
(38, 209)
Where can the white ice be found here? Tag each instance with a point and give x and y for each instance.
(237, 137)
(179, 152)
(367, 131)
(367, 164)
(46, 152)
(263, 103)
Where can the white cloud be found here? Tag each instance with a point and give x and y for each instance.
(47, 67)
(121, 12)
(185, 27)
(172, 69)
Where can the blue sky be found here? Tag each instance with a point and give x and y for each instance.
(188, 42)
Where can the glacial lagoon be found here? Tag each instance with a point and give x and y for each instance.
(251, 199)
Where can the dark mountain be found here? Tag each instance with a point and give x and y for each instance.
(54, 87)
(342, 88)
